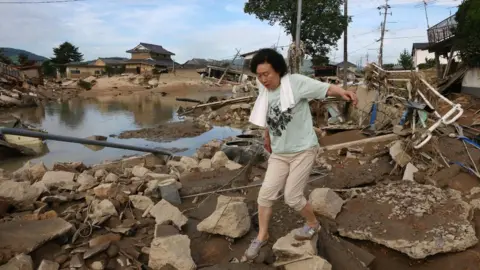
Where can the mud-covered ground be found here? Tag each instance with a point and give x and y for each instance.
(166, 132)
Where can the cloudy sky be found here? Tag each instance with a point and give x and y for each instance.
(199, 28)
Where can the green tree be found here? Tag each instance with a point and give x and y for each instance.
(322, 21)
(467, 33)
(406, 60)
(320, 60)
(48, 69)
(23, 59)
(388, 66)
(429, 63)
(4, 59)
(66, 53)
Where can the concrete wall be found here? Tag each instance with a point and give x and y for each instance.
(471, 82)
(31, 73)
(420, 55)
(84, 71)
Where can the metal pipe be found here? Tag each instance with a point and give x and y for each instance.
(47, 136)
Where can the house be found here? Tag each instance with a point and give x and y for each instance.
(247, 58)
(147, 57)
(97, 67)
(195, 63)
(420, 54)
(32, 72)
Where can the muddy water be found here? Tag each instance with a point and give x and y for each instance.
(106, 117)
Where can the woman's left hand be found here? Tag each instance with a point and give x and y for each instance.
(349, 96)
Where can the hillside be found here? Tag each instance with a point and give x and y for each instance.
(14, 53)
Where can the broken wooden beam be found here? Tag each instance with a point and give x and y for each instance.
(384, 138)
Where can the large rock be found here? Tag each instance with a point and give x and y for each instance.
(172, 250)
(111, 178)
(140, 202)
(24, 236)
(418, 220)
(21, 194)
(86, 182)
(326, 202)
(104, 191)
(140, 171)
(48, 265)
(164, 212)
(102, 209)
(37, 171)
(205, 165)
(59, 180)
(288, 250)
(230, 218)
(190, 163)
(219, 160)
(19, 262)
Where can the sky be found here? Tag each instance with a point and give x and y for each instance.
(201, 28)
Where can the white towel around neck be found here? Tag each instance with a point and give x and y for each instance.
(260, 109)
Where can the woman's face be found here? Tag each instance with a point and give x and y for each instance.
(268, 76)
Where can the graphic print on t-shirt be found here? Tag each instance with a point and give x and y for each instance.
(277, 120)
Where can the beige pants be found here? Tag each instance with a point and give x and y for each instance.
(290, 172)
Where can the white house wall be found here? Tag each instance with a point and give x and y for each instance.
(471, 82)
(420, 55)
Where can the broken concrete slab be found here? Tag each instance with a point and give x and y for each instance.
(21, 194)
(96, 250)
(230, 218)
(164, 212)
(314, 263)
(23, 236)
(288, 250)
(399, 155)
(171, 250)
(48, 265)
(418, 220)
(19, 262)
(326, 202)
(141, 202)
(100, 173)
(409, 173)
(105, 190)
(59, 180)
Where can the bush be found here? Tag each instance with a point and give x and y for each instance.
(85, 85)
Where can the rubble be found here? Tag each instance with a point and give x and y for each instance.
(164, 212)
(20, 262)
(391, 214)
(230, 218)
(171, 250)
(326, 202)
(58, 180)
(314, 263)
(288, 250)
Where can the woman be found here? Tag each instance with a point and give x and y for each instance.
(291, 140)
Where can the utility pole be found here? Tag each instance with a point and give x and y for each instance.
(383, 28)
(345, 48)
(426, 13)
(298, 52)
(299, 24)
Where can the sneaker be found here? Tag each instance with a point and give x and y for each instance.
(254, 249)
(306, 232)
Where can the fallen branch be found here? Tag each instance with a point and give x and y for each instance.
(188, 100)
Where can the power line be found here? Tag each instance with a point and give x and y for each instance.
(40, 2)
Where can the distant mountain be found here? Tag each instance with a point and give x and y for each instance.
(14, 53)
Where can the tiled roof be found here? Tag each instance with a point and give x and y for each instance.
(153, 48)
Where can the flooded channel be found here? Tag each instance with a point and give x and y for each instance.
(108, 117)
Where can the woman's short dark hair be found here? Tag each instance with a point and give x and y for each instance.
(272, 57)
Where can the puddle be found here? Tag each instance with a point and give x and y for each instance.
(105, 117)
